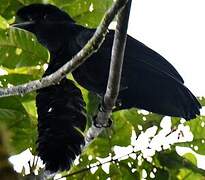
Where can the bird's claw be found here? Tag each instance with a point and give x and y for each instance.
(105, 125)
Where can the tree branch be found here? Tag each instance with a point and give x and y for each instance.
(91, 47)
(98, 165)
(114, 75)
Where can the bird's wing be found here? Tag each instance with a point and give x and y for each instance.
(144, 54)
(134, 50)
(155, 91)
(148, 80)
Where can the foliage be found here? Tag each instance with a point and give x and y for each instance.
(22, 59)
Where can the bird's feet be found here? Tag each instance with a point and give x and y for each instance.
(99, 125)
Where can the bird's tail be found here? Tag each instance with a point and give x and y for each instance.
(189, 106)
(61, 120)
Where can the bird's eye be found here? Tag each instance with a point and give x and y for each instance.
(30, 18)
(45, 16)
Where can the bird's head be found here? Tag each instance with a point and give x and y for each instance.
(46, 21)
(35, 14)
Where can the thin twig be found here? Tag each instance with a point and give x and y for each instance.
(98, 165)
(91, 47)
(114, 74)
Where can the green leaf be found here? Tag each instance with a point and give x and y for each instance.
(187, 173)
(202, 101)
(92, 19)
(3, 23)
(82, 170)
(17, 121)
(4, 5)
(197, 127)
(15, 79)
(191, 158)
(123, 171)
(121, 130)
(20, 48)
(175, 164)
(115, 172)
(27, 2)
(138, 119)
(8, 8)
(92, 105)
(100, 147)
(28, 100)
(35, 71)
(152, 171)
(85, 12)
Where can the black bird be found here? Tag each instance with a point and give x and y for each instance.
(148, 82)
(61, 121)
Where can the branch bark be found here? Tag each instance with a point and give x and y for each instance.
(98, 165)
(91, 47)
(113, 85)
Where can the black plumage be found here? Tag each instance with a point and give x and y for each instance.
(148, 80)
(61, 121)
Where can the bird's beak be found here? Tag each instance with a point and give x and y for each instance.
(27, 25)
